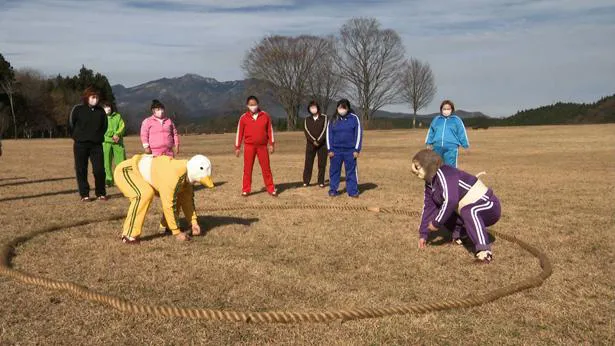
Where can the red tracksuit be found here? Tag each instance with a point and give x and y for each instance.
(256, 133)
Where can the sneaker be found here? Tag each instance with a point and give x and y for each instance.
(130, 240)
(102, 198)
(86, 199)
(484, 257)
(321, 185)
(305, 185)
(109, 184)
(354, 196)
(274, 194)
(244, 194)
(332, 194)
(457, 241)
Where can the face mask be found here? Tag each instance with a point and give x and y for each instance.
(313, 110)
(447, 112)
(253, 109)
(418, 171)
(158, 113)
(342, 111)
(107, 110)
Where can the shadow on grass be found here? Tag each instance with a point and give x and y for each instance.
(443, 237)
(362, 188)
(55, 193)
(14, 178)
(34, 181)
(208, 223)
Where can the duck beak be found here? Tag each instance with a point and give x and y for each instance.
(207, 181)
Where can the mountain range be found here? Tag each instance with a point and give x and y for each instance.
(197, 98)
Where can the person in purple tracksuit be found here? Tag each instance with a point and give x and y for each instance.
(457, 201)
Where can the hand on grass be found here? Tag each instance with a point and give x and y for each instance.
(422, 243)
(181, 236)
(196, 230)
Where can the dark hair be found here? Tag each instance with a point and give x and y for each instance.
(156, 104)
(344, 103)
(313, 103)
(447, 102)
(89, 91)
(252, 97)
(108, 104)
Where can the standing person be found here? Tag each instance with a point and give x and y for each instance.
(457, 201)
(315, 128)
(256, 130)
(447, 133)
(113, 146)
(344, 140)
(88, 123)
(158, 133)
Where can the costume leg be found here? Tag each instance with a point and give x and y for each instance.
(140, 194)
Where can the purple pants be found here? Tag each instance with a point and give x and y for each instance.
(474, 220)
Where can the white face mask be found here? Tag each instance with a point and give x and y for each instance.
(418, 171)
(158, 113)
(108, 110)
(313, 110)
(253, 109)
(447, 112)
(342, 111)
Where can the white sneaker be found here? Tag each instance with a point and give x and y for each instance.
(484, 256)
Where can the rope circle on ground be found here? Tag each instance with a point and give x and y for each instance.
(7, 254)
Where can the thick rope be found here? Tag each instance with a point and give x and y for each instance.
(81, 292)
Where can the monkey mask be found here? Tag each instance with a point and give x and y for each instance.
(425, 164)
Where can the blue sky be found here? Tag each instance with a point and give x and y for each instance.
(493, 56)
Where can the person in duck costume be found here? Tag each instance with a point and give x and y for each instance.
(144, 176)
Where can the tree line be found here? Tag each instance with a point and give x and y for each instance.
(33, 105)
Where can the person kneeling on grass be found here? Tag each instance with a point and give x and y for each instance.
(457, 201)
(144, 176)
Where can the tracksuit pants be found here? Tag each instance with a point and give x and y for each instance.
(113, 153)
(250, 152)
(139, 192)
(84, 151)
(311, 152)
(449, 155)
(474, 220)
(346, 158)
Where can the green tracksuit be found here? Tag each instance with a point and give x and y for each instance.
(111, 150)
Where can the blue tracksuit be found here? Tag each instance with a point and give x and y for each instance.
(446, 134)
(344, 137)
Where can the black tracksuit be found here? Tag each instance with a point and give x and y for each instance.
(88, 126)
(315, 133)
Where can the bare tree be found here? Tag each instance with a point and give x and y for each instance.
(418, 85)
(325, 82)
(370, 59)
(285, 64)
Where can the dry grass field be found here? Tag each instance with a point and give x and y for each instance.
(556, 185)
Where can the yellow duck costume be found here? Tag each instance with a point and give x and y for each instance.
(144, 176)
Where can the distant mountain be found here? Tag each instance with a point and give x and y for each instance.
(200, 98)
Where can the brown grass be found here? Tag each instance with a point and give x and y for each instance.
(555, 183)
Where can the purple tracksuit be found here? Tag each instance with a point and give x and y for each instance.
(442, 197)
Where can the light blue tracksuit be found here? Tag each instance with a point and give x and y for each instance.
(446, 134)
(344, 137)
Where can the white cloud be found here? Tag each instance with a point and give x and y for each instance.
(496, 57)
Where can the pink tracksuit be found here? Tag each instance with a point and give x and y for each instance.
(160, 135)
